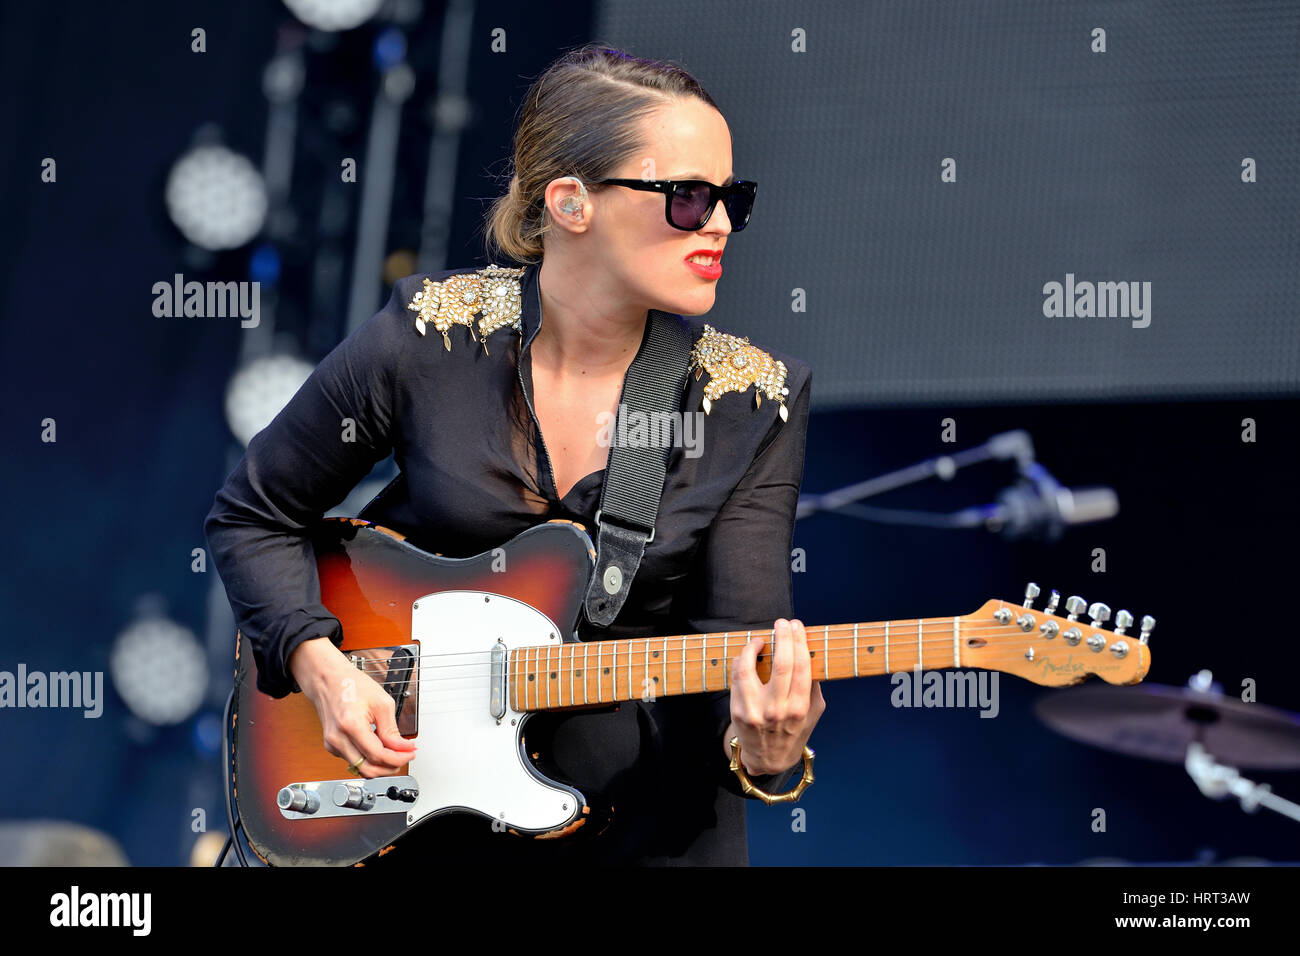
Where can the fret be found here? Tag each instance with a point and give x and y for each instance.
(530, 665)
(704, 659)
(683, 649)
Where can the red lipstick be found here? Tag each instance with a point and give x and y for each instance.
(712, 271)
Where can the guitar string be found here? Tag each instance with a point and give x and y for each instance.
(532, 696)
(522, 659)
(572, 684)
(812, 639)
(838, 661)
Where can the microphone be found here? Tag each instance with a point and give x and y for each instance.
(1038, 506)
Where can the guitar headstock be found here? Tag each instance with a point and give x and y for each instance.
(1045, 648)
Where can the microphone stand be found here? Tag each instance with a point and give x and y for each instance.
(1013, 444)
(1034, 503)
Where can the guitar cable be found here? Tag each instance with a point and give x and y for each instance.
(233, 824)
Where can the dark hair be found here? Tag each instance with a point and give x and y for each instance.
(580, 118)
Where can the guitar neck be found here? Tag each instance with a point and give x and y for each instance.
(582, 674)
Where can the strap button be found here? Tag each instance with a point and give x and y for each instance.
(613, 580)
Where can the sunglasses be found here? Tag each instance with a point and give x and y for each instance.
(688, 203)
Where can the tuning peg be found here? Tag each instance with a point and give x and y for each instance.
(1148, 625)
(1122, 621)
(1051, 605)
(1031, 592)
(1099, 613)
(1075, 605)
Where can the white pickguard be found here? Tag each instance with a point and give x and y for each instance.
(466, 759)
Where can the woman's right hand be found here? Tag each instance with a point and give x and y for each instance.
(349, 702)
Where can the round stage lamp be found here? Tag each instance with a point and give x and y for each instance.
(159, 670)
(333, 15)
(259, 390)
(216, 198)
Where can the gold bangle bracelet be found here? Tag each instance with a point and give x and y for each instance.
(747, 786)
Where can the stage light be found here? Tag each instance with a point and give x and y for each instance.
(216, 198)
(259, 390)
(159, 670)
(333, 15)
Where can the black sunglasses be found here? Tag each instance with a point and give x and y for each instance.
(688, 203)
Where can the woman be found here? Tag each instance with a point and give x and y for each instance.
(495, 432)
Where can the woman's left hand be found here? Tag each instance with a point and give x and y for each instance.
(774, 720)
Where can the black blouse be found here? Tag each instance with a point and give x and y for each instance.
(474, 473)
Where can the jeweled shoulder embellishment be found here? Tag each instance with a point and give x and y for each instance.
(493, 292)
(734, 365)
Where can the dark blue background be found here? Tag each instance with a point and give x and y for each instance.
(112, 510)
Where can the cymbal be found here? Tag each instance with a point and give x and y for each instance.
(1157, 722)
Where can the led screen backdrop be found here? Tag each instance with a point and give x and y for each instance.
(926, 170)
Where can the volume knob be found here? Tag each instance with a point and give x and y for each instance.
(294, 798)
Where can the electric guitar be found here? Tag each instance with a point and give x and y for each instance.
(469, 648)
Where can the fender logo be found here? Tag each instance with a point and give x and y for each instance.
(1069, 667)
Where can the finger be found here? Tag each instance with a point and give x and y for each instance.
(369, 745)
(746, 688)
(801, 677)
(778, 684)
(338, 744)
(818, 701)
(386, 730)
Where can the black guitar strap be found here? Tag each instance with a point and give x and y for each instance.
(634, 478)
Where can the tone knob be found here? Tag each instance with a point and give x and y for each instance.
(295, 798)
(353, 796)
